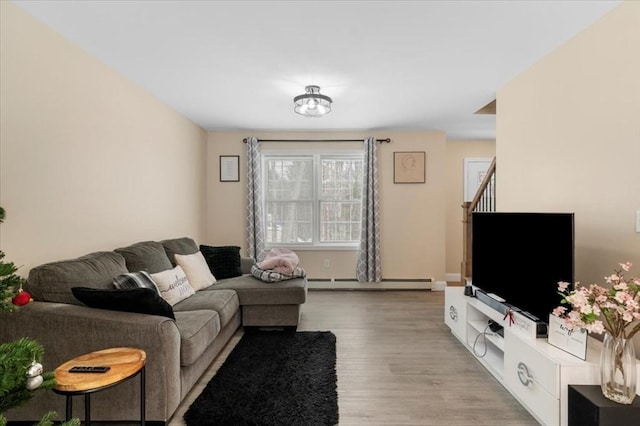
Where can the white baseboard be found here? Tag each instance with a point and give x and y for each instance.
(356, 285)
(453, 277)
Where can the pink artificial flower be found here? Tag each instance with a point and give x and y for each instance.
(596, 327)
(622, 297)
(618, 303)
(601, 299)
(612, 278)
(575, 319)
(562, 286)
(586, 309)
(621, 286)
(577, 299)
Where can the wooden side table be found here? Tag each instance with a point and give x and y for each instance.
(124, 364)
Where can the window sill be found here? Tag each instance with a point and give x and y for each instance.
(313, 248)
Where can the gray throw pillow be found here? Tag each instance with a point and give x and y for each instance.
(52, 282)
(145, 256)
(184, 245)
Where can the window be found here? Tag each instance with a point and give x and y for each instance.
(313, 199)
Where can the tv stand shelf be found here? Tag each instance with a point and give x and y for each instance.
(536, 373)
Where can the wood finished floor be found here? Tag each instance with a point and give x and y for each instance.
(398, 363)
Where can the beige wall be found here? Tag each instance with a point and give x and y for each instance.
(457, 151)
(89, 161)
(568, 139)
(412, 215)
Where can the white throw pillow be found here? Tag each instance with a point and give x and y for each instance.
(197, 271)
(173, 285)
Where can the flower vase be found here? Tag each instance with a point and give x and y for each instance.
(618, 375)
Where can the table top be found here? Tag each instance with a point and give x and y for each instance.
(124, 363)
(594, 394)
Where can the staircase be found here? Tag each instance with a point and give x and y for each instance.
(483, 201)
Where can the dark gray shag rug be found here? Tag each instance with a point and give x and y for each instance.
(272, 378)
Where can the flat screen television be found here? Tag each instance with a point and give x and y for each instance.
(521, 257)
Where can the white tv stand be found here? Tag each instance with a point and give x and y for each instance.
(536, 373)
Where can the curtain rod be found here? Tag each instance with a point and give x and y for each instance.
(387, 140)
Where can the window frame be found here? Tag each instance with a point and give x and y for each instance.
(316, 156)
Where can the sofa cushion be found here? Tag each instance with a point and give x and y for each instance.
(173, 285)
(52, 282)
(184, 245)
(139, 300)
(197, 330)
(252, 291)
(145, 256)
(196, 270)
(224, 302)
(224, 261)
(139, 279)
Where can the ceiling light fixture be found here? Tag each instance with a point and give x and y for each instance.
(312, 103)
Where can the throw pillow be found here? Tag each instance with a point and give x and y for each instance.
(139, 300)
(184, 245)
(224, 261)
(145, 256)
(173, 285)
(140, 279)
(196, 270)
(52, 282)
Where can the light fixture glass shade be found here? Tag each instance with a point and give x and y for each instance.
(312, 103)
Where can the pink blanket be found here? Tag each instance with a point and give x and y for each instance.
(280, 260)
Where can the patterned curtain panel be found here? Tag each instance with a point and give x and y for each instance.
(368, 269)
(255, 225)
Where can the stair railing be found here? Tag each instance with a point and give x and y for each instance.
(483, 201)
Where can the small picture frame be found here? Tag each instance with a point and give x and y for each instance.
(229, 168)
(409, 167)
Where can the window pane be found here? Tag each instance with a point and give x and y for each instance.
(341, 191)
(289, 222)
(290, 208)
(289, 179)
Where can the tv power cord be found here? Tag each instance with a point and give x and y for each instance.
(493, 326)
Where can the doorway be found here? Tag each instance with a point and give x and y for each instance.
(474, 171)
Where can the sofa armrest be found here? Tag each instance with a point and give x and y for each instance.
(67, 331)
(245, 264)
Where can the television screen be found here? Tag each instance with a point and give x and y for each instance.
(521, 257)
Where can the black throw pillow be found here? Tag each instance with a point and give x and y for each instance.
(139, 300)
(224, 261)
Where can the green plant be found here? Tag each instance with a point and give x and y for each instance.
(18, 358)
(10, 282)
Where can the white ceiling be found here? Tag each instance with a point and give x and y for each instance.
(388, 65)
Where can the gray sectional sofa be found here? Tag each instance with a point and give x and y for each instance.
(178, 351)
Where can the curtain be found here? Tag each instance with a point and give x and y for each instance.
(255, 218)
(368, 268)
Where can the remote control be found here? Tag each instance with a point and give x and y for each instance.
(87, 369)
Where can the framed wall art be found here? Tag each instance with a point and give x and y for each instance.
(229, 168)
(409, 167)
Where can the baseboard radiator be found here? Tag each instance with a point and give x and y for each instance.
(385, 284)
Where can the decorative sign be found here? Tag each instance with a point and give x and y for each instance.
(571, 341)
